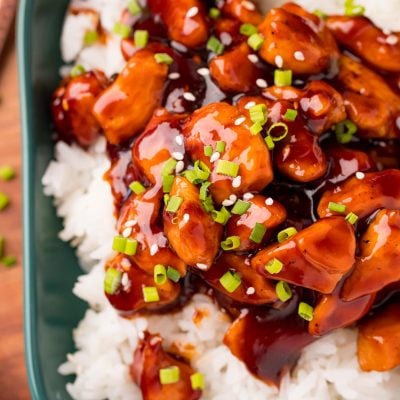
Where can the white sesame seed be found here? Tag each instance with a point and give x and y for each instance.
(248, 196)
(141, 335)
(130, 222)
(299, 56)
(392, 39)
(177, 155)
(153, 249)
(127, 232)
(174, 75)
(180, 165)
(269, 201)
(125, 279)
(203, 71)
(249, 105)
(227, 203)
(201, 266)
(226, 38)
(179, 46)
(192, 12)
(247, 261)
(237, 181)
(261, 83)
(125, 263)
(253, 58)
(279, 61)
(249, 5)
(186, 217)
(250, 290)
(233, 197)
(360, 175)
(154, 340)
(179, 140)
(215, 156)
(398, 122)
(240, 121)
(189, 96)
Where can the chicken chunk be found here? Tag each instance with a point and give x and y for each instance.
(243, 10)
(316, 257)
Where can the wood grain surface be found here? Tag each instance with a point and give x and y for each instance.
(13, 382)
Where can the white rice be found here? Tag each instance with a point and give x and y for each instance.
(105, 342)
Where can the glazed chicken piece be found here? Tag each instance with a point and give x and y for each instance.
(297, 40)
(126, 106)
(243, 10)
(378, 345)
(72, 105)
(364, 196)
(139, 220)
(233, 71)
(316, 257)
(379, 262)
(363, 38)
(262, 210)
(185, 20)
(253, 289)
(149, 358)
(244, 151)
(191, 231)
(128, 298)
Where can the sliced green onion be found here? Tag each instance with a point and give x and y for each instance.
(215, 45)
(290, 114)
(248, 29)
(119, 244)
(220, 146)
(336, 207)
(282, 77)
(214, 13)
(163, 58)
(230, 243)
(258, 232)
(122, 30)
(286, 234)
(173, 274)
(208, 204)
(222, 216)
(240, 207)
(137, 187)
(77, 70)
(278, 125)
(169, 375)
(7, 173)
(208, 150)
(112, 280)
(320, 14)
(9, 261)
(283, 291)
(150, 294)
(274, 266)
(351, 218)
(256, 128)
(306, 311)
(353, 10)
(258, 113)
(141, 38)
(204, 190)
(197, 381)
(167, 182)
(174, 204)
(134, 7)
(160, 274)
(269, 142)
(228, 168)
(255, 41)
(344, 131)
(202, 171)
(130, 247)
(169, 167)
(90, 38)
(230, 281)
(166, 198)
(2, 241)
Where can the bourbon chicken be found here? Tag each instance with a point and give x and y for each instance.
(254, 158)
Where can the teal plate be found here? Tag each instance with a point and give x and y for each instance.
(50, 266)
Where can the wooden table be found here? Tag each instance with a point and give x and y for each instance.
(13, 382)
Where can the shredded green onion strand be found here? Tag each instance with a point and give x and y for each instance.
(275, 126)
(353, 10)
(90, 38)
(141, 38)
(160, 274)
(112, 280)
(351, 218)
(290, 114)
(173, 274)
(283, 291)
(240, 207)
(258, 232)
(197, 381)
(163, 58)
(7, 173)
(230, 281)
(286, 234)
(230, 243)
(336, 207)
(150, 294)
(204, 190)
(222, 216)
(167, 182)
(215, 45)
(248, 29)
(77, 70)
(255, 41)
(220, 146)
(256, 128)
(169, 375)
(258, 113)
(9, 261)
(306, 311)
(345, 130)
(137, 187)
(269, 142)
(122, 30)
(214, 13)
(228, 168)
(134, 7)
(208, 150)
(169, 167)
(174, 204)
(274, 266)
(282, 77)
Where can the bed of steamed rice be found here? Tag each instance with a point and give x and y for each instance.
(105, 342)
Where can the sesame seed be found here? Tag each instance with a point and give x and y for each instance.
(269, 201)
(279, 61)
(125, 263)
(261, 83)
(189, 96)
(177, 155)
(250, 290)
(141, 335)
(215, 156)
(125, 279)
(203, 71)
(398, 122)
(226, 38)
(201, 266)
(248, 196)
(192, 12)
(299, 56)
(180, 165)
(360, 175)
(178, 46)
(249, 105)
(233, 197)
(153, 249)
(174, 75)
(130, 222)
(127, 232)
(154, 340)
(227, 203)
(186, 217)
(240, 121)
(179, 140)
(253, 58)
(237, 181)
(392, 39)
(249, 5)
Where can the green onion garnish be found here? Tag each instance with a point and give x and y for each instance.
(258, 113)
(137, 187)
(9, 261)
(173, 274)
(214, 13)
(286, 234)
(141, 38)
(256, 128)
(320, 14)
(90, 38)
(204, 190)
(77, 70)
(282, 77)
(202, 171)
(150, 294)
(166, 198)
(119, 243)
(275, 126)
(160, 274)
(169, 375)
(344, 131)
(7, 173)
(228, 168)
(353, 10)
(125, 245)
(4, 201)
(169, 167)
(230, 281)
(122, 30)
(283, 291)
(269, 142)
(112, 280)
(215, 45)
(134, 7)
(258, 232)
(208, 204)
(163, 58)
(208, 150)
(174, 204)
(290, 114)
(230, 243)
(222, 216)
(248, 29)
(197, 381)
(306, 311)
(167, 182)
(336, 207)
(220, 146)
(351, 218)
(255, 41)
(274, 266)
(240, 207)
